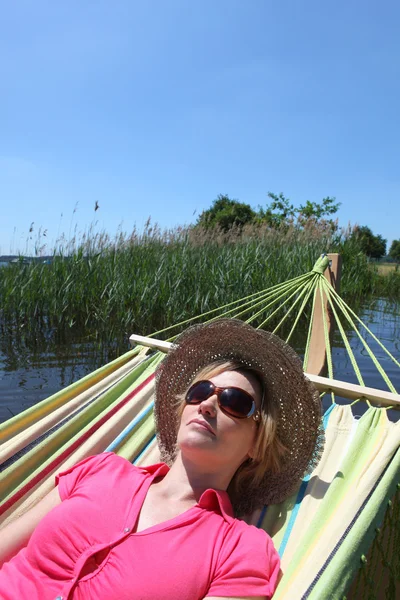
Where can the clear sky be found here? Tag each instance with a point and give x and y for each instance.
(153, 108)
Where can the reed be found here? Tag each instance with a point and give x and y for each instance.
(110, 287)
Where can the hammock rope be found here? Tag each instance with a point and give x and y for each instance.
(346, 342)
(241, 302)
(300, 312)
(345, 310)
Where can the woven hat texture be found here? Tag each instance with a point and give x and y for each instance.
(299, 425)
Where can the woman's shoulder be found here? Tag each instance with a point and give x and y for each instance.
(250, 535)
(249, 540)
(247, 561)
(106, 468)
(97, 463)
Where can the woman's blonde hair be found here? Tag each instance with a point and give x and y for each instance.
(268, 450)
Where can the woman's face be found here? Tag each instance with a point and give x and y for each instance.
(207, 433)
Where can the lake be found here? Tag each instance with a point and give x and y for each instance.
(29, 375)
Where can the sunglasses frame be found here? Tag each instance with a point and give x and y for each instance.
(218, 391)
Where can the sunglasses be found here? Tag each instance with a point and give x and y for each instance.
(232, 401)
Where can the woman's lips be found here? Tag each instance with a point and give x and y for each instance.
(203, 424)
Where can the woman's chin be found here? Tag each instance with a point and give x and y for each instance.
(199, 441)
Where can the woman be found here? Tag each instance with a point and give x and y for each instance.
(239, 425)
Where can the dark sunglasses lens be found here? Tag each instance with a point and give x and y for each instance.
(199, 391)
(236, 403)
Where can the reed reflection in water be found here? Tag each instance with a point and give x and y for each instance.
(30, 374)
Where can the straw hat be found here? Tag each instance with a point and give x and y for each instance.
(298, 404)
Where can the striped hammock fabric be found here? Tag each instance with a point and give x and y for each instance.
(321, 532)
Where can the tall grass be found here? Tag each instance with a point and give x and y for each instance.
(108, 288)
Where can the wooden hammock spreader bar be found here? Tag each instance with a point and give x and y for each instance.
(353, 391)
(322, 384)
(317, 353)
(141, 340)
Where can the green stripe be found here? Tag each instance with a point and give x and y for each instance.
(277, 519)
(135, 443)
(23, 420)
(368, 432)
(38, 458)
(339, 575)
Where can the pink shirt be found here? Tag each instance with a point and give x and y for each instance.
(85, 547)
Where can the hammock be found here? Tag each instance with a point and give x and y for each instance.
(338, 535)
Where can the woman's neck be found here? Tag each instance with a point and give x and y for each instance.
(186, 481)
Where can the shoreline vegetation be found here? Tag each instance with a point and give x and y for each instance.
(385, 268)
(107, 288)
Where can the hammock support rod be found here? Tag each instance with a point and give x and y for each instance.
(323, 384)
(330, 266)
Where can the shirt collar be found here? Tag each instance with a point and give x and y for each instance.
(217, 500)
(214, 500)
(156, 470)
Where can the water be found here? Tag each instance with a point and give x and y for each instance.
(29, 375)
(383, 319)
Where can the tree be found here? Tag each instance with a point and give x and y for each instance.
(279, 212)
(372, 245)
(394, 251)
(226, 213)
(312, 210)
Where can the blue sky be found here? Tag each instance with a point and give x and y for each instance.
(153, 108)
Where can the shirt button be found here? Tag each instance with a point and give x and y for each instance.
(59, 598)
(126, 530)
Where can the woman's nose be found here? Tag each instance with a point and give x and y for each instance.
(209, 406)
